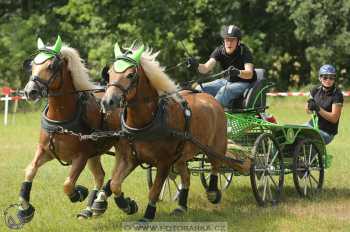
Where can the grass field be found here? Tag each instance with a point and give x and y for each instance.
(328, 212)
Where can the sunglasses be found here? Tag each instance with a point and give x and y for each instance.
(326, 77)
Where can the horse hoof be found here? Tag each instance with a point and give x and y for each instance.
(214, 196)
(132, 207)
(180, 211)
(26, 215)
(79, 194)
(99, 207)
(83, 192)
(85, 214)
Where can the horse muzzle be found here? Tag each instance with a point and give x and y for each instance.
(109, 103)
(33, 92)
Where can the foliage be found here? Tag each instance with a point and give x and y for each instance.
(290, 39)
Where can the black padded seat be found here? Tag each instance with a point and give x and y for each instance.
(254, 97)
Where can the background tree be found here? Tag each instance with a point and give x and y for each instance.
(289, 38)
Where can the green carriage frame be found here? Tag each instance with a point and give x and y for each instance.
(248, 132)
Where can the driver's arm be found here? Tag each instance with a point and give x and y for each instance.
(248, 71)
(207, 67)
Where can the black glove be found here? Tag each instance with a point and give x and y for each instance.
(232, 72)
(192, 64)
(312, 105)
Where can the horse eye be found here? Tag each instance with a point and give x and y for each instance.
(27, 65)
(131, 75)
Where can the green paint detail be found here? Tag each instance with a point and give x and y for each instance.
(122, 65)
(290, 135)
(260, 93)
(58, 45)
(128, 59)
(47, 52)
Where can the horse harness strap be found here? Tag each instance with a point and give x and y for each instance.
(73, 127)
(187, 115)
(157, 129)
(53, 150)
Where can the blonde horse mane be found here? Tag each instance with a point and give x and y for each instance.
(77, 68)
(155, 73)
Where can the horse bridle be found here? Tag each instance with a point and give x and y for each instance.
(134, 77)
(44, 85)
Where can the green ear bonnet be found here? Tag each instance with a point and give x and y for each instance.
(46, 52)
(131, 57)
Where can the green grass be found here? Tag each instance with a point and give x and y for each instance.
(54, 212)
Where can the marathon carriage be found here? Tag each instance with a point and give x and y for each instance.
(276, 150)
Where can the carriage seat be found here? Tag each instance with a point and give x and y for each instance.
(254, 97)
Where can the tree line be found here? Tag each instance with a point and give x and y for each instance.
(290, 39)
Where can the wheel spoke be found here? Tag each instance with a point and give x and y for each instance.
(273, 181)
(176, 184)
(261, 179)
(305, 183)
(304, 150)
(260, 161)
(220, 182)
(263, 147)
(313, 159)
(315, 180)
(265, 185)
(162, 192)
(273, 159)
(169, 189)
(268, 152)
(227, 178)
(269, 189)
(310, 154)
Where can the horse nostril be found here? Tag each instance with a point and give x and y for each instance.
(104, 105)
(33, 93)
(111, 102)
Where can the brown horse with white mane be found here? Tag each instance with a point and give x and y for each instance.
(161, 127)
(59, 74)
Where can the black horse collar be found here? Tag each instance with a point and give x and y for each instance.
(156, 129)
(75, 124)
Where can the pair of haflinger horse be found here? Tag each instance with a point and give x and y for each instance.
(157, 124)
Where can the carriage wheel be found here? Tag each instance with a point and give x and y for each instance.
(267, 172)
(171, 187)
(308, 168)
(224, 178)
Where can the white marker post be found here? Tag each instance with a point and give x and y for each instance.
(6, 91)
(6, 99)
